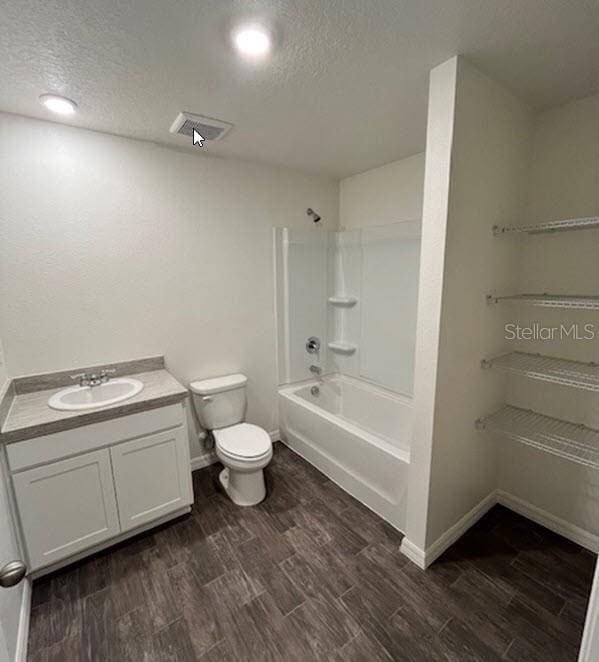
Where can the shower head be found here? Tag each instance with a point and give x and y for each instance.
(313, 214)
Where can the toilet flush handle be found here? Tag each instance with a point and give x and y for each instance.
(207, 398)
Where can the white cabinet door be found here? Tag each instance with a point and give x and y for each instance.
(152, 476)
(66, 506)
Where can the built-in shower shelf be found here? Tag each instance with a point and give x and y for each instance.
(588, 223)
(344, 348)
(571, 301)
(571, 441)
(575, 374)
(343, 301)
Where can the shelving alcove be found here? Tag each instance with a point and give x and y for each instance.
(572, 441)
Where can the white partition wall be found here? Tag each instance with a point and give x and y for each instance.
(477, 162)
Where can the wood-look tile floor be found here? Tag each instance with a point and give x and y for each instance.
(310, 574)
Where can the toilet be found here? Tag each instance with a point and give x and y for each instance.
(244, 449)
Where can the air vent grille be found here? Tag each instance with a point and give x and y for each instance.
(208, 127)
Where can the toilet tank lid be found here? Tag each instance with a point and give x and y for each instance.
(218, 384)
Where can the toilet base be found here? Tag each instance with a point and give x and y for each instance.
(243, 488)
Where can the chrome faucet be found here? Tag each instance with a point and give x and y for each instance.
(315, 370)
(94, 379)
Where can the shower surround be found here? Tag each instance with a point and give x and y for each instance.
(356, 292)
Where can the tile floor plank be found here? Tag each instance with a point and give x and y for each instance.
(258, 559)
(202, 616)
(173, 644)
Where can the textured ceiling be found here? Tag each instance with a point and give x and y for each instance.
(344, 90)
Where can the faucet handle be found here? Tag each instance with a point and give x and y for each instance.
(83, 378)
(103, 374)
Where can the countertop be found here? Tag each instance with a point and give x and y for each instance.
(30, 416)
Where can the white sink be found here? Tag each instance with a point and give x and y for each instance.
(76, 398)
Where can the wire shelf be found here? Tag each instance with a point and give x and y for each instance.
(571, 301)
(566, 225)
(575, 374)
(571, 441)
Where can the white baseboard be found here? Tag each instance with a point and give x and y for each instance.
(413, 552)
(24, 620)
(201, 461)
(446, 540)
(589, 648)
(570, 531)
(424, 558)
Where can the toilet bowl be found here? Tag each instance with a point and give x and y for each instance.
(244, 449)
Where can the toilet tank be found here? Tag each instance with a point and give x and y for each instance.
(220, 402)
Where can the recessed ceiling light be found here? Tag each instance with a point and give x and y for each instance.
(252, 40)
(58, 104)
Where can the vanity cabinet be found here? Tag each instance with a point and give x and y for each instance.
(80, 490)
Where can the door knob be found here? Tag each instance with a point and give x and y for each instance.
(12, 573)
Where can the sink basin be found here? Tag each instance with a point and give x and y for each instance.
(76, 398)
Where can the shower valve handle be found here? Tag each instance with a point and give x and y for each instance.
(312, 345)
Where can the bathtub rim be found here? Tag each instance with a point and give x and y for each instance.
(401, 453)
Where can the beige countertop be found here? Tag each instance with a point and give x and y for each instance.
(30, 415)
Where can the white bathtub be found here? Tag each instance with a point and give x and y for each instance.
(357, 434)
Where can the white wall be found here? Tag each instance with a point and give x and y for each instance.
(112, 249)
(383, 195)
(478, 151)
(564, 184)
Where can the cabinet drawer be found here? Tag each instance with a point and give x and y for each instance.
(66, 507)
(151, 476)
(29, 453)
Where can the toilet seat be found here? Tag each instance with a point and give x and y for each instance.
(243, 441)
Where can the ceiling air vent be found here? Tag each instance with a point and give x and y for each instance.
(208, 127)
